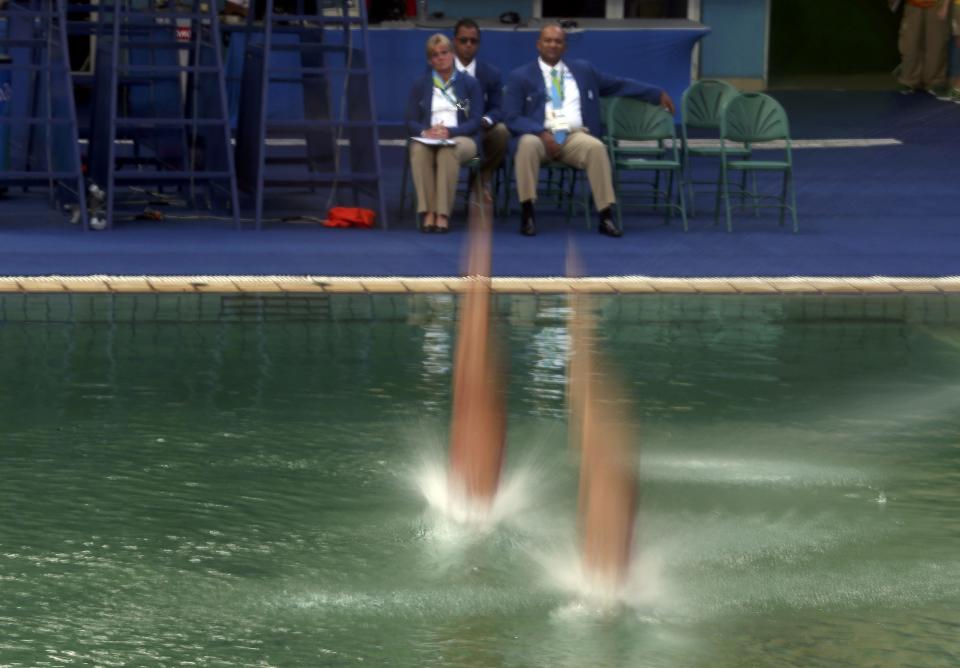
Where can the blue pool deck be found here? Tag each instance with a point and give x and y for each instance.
(877, 197)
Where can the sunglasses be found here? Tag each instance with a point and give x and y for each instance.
(468, 40)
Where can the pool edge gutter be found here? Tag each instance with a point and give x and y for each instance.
(452, 284)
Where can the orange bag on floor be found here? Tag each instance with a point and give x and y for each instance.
(349, 216)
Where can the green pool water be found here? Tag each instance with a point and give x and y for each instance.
(239, 481)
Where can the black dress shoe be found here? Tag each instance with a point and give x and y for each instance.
(427, 229)
(608, 227)
(527, 226)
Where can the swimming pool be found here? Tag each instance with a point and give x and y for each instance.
(236, 480)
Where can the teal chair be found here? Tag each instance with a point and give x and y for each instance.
(753, 119)
(629, 121)
(559, 186)
(651, 149)
(700, 110)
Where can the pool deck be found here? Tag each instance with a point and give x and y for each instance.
(434, 285)
(877, 208)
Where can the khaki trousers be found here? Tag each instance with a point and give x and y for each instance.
(580, 150)
(923, 47)
(495, 140)
(435, 171)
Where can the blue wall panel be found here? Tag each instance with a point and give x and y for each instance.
(479, 9)
(397, 57)
(735, 45)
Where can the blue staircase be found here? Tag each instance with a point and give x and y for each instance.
(38, 119)
(159, 114)
(326, 140)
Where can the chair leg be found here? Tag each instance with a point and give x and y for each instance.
(616, 193)
(656, 190)
(783, 197)
(793, 201)
(683, 206)
(569, 195)
(587, 199)
(669, 196)
(688, 183)
(495, 188)
(555, 187)
(404, 183)
(619, 209)
(507, 182)
(743, 189)
(726, 198)
(721, 177)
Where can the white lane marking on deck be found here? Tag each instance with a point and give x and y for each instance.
(698, 143)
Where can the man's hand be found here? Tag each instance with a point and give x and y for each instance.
(666, 102)
(549, 143)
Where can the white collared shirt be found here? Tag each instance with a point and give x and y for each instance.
(571, 93)
(470, 69)
(442, 110)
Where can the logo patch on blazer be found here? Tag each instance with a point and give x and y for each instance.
(590, 94)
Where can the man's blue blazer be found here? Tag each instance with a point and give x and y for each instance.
(525, 96)
(420, 103)
(490, 80)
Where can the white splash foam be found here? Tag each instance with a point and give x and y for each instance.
(594, 595)
(451, 504)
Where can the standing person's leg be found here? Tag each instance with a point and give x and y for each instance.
(449, 161)
(423, 170)
(937, 35)
(589, 154)
(910, 43)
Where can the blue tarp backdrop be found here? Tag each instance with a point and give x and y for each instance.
(397, 56)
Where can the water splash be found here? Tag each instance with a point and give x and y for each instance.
(644, 591)
(448, 501)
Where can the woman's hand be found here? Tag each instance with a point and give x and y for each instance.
(437, 132)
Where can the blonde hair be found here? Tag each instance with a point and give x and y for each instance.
(436, 40)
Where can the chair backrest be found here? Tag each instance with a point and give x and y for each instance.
(636, 120)
(605, 103)
(703, 102)
(753, 118)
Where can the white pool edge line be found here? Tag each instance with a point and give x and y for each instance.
(449, 284)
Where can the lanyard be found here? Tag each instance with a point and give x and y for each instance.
(556, 85)
(446, 89)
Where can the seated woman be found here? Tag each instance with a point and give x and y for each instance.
(444, 104)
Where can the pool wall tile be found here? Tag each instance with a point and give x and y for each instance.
(177, 306)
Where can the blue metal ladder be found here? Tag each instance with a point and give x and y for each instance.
(323, 55)
(38, 123)
(178, 139)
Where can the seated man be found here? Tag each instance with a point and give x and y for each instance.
(466, 43)
(554, 107)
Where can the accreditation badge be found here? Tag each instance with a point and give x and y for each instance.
(557, 120)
